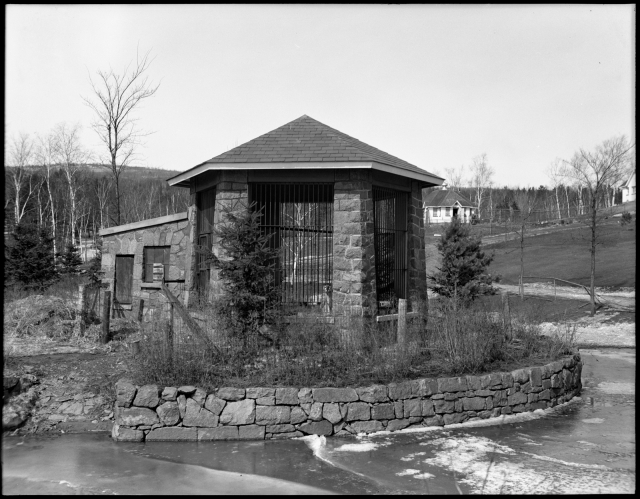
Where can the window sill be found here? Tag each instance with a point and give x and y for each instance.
(154, 285)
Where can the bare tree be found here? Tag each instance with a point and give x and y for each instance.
(481, 176)
(102, 188)
(455, 177)
(46, 156)
(527, 201)
(21, 155)
(116, 98)
(70, 156)
(555, 172)
(595, 171)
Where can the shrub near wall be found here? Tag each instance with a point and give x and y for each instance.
(149, 412)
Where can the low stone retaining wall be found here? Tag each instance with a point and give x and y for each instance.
(149, 412)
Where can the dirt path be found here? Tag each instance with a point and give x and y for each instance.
(615, 300)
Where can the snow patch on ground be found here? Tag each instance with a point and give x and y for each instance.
(359, 447)
(617, 388)
(593, 421)
(490, 468)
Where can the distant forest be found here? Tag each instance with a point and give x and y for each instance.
(78, 200)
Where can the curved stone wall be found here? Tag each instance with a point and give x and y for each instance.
(149, 412)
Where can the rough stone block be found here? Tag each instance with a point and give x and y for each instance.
(199, 396)
(134, 416)
(230, 393)
(454, 418)
(197, 416)
(506, 410)
(546, 384)
(457, 407)
(500, 398)
(273, 415)
(400, 391)
(170, 394)
(239, 413)
(383, 411)
(535, 376)
(172, 433)
(517, 398)
(122, 434)
(373, 394)
(334, 395)
(423, 387)
(507, 380)
(427, 408)
(287, 396)
(526, 388)
(451, 396)
(518, 408)
(443, 406)
(278, 428)
(358, 411)
(297, 415)
(251, 432)
(556, 381)
(397, 424)
(182, 405)
(331, 412)
(214, 404)
(256, 393)
(187, 390)
(315, 414)
(412, 408)
(219, 433)
(399, 409)
(520, 376)
(473, 404)
(452, 384)
(125, 393)
(473, 382)
(169, 413)
(323, 427)
(436, 420)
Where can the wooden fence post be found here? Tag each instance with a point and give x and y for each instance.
(506, 315)
(169, 335)
(402, 321)
(140, 310)
(106, 315)
(80, 314)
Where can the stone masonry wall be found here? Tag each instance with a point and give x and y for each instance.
(149, 412)
(417, 262)
(177, 234)
(354, 281)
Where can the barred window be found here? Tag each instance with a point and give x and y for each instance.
(299, 218)
(205, 208)
(390, 214)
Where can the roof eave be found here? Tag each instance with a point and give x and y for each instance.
(182, 179)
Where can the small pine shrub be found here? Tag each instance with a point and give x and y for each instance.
(463, 272)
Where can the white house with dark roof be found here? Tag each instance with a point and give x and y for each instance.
(441, 205)
(629, 189)
(346, 218)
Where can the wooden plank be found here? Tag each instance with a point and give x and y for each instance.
(394, 317)
(188, 320)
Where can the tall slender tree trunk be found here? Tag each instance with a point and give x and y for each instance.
(593, 254)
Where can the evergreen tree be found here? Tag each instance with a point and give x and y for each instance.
(29, 260)
(95, 269)
(70, 259)
(246, 267)
(464, 264)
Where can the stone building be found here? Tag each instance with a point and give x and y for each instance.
(346, 218)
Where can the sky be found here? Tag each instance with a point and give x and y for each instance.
(433, 85)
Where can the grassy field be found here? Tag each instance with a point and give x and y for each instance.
(565, 255)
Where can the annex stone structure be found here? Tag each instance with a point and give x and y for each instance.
(346, 218)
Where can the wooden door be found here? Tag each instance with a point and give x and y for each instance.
(124, 278)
